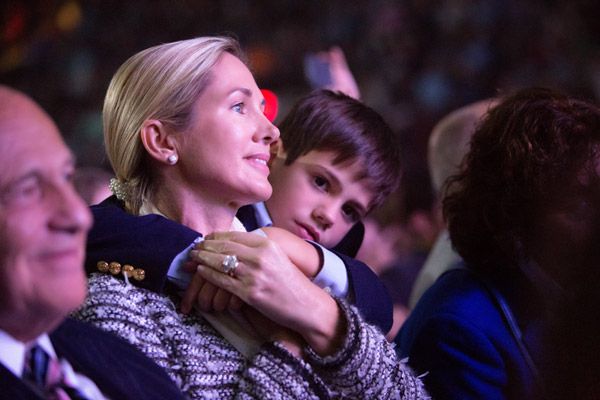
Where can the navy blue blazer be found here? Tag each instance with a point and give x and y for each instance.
(459, 335)
(151, 243)
(118, 369)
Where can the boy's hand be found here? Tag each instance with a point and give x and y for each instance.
(206, 296)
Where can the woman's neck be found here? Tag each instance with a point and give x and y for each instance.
(197, 211)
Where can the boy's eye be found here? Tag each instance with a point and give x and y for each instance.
(238, 108)
(321, 183)
(351, 214)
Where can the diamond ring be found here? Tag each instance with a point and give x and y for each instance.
(229, 264)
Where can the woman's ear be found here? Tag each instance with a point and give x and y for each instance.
(158, 142)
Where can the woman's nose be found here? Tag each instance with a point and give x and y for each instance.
(270, 133)
(266, 132)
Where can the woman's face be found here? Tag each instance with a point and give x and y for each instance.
(566, 225)
(224, 151)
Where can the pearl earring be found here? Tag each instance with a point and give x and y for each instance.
(172, 159)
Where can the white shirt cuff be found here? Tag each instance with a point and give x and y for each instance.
(332, 277)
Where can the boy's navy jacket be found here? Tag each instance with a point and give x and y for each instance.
(118, 369)
(151, 242)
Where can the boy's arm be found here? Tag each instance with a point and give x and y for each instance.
(366, 291)
(301, 253)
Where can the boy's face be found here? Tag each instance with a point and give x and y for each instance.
(315, 199)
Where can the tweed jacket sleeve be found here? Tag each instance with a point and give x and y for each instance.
(367, 366)
(205, 365)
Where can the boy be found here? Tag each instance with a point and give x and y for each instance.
(335, 161)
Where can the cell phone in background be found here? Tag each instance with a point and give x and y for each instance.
(317, 71)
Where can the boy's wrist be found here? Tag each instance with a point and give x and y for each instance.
(332, 274)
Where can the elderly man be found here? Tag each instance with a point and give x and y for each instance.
(43, 227)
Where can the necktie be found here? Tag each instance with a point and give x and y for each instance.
(46, 373)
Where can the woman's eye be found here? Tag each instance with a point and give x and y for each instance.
(238, 108)
(321, 183)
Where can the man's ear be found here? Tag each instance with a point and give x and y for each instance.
(277, 151)
(157, 141)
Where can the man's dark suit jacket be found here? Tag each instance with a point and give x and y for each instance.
(151, 242)
(118, 369)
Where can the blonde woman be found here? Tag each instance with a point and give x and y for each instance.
(189, 145)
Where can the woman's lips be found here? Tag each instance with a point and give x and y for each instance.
(260, 162)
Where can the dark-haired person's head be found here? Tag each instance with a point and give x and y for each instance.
(528, 190)
(337, 159)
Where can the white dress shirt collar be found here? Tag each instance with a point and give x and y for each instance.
(12, 351)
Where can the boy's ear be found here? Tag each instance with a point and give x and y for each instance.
(277, 151)
(157, 141)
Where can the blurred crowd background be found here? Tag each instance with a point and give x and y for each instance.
(414, 61)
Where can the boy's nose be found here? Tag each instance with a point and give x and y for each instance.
(324, 215)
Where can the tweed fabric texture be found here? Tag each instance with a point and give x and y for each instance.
(205, 366)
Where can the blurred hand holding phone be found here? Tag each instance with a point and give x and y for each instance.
(329, 70)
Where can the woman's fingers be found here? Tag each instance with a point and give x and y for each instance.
(267, 280)
(226, 263)
(218, 278)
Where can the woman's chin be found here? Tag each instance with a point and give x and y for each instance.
(260, 193)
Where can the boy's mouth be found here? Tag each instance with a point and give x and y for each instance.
(307, 232)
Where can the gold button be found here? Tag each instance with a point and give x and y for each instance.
(139, 274)
(114, 268)
(128, 270)
(102, 266)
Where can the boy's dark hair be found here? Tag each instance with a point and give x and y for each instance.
(529, 147)
(331, 121)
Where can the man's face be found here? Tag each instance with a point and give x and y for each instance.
(317, 199)
(43, 222)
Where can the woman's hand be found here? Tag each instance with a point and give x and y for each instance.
(208, 297)
(266, 279)
(301, 253)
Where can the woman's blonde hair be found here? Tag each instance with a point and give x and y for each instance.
(162, 83)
